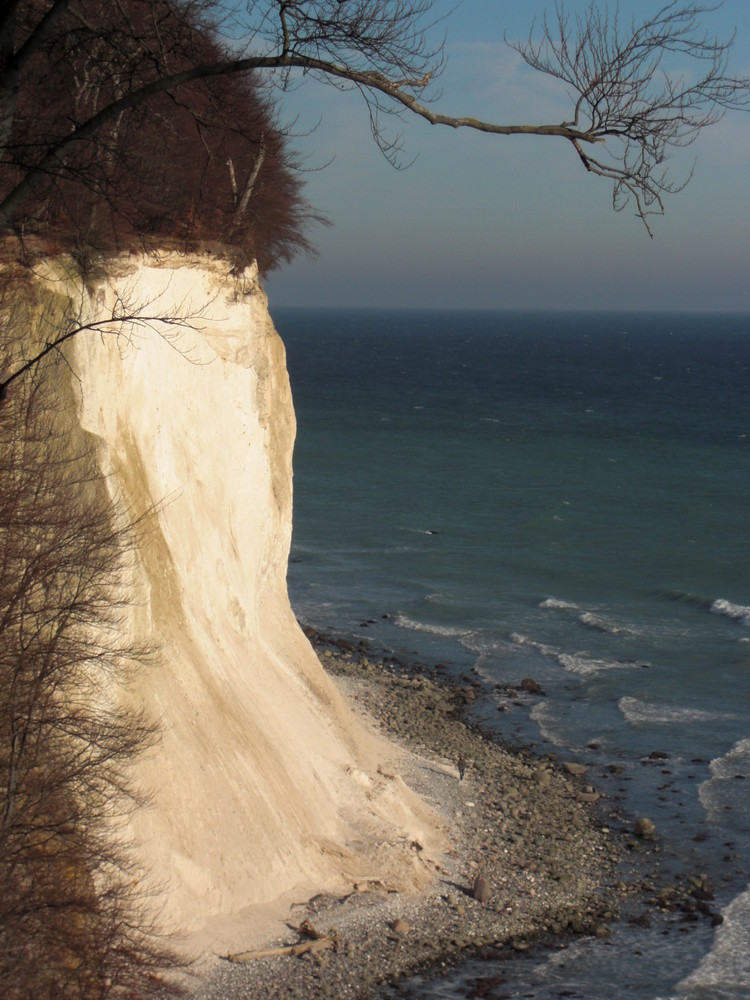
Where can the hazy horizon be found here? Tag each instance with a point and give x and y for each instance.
(484, 221)
(666, 310)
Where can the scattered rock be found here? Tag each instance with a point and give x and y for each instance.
(644, 828)
(700, 888)
(545, 864)
(399, 927)
(481, 891)
(577, 770)
(588, 796)
(531, 686)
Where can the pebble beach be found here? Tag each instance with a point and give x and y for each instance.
(536, 859)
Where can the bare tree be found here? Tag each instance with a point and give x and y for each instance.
(640, 91)
(637, 90)
(126, 319)
(71, 925)
(148, 118)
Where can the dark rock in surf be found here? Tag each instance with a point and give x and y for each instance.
(644, 828)
(531, 686)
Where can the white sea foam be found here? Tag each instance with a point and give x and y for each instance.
(555, 604)
(600, 624)
(737, 761)
(437, 597)
(540, 647)
(643, 713)
(575, 663)
(477, 642)
(724, 795)
(583, 665)
(403, 621)
(737, 612)
(548, 720)
(724, 973)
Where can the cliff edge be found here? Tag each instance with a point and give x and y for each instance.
(263, 787)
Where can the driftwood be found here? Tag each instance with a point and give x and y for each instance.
(316, 942)
(324, 900)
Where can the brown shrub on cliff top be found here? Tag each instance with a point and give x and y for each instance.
(172, 169)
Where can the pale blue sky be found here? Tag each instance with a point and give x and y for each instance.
(512, 222)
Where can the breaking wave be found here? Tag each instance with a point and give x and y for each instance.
(737, 612)
(583, 665)
(556, 604)
(575, 663)
(642, 713)
(600, 624)
(403, 621)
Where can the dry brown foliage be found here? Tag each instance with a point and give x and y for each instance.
(162, 168)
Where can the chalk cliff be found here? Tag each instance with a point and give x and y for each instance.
(263, 785)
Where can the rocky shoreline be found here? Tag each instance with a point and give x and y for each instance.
(534, 861)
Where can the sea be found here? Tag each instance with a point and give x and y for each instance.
(562, 496)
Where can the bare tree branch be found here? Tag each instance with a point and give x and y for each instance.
(115, 324)
(641, 91)
(71, 923)
(242, 202)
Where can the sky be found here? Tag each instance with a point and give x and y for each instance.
(481, 221)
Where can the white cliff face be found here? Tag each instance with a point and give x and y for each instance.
(262, 782)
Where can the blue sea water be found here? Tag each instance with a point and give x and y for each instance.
(561, 496)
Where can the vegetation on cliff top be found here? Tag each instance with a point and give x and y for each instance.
(205, 164)
(148, 123)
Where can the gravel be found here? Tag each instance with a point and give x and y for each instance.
(529, 840)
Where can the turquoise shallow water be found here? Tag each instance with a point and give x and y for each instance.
(562, 496)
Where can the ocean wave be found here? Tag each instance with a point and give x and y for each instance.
(540, 647)
(684, 597)
(725, 970)
(549, 723)
(737, 761)
(584, 666)
(555, 604)
(737, 612)
(441, 600)
(447, 630)
(599, 624)
(724, 794)
(575, 663)
(640, 713)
